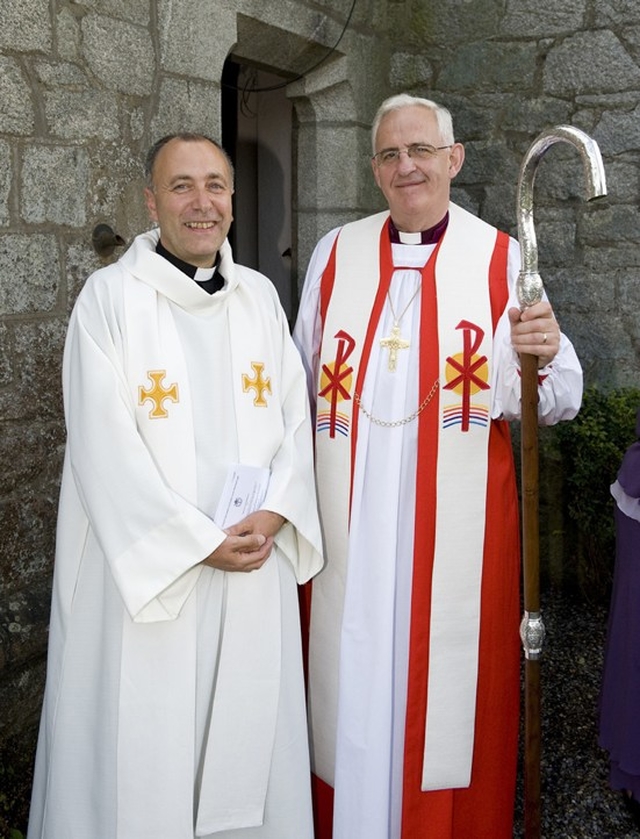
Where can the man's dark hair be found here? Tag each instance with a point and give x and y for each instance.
(187, 137)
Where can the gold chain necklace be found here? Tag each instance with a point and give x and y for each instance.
(396, 423)
(395, 341)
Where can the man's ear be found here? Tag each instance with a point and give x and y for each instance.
(150, 201)
(456, 159)
(374, 167)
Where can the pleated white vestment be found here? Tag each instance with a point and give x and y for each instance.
(174, 703)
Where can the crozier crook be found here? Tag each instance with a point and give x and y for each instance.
(529, 290)
(529, 286)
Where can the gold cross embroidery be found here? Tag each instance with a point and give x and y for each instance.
(258, 383)
(157, 393)
(394, 343)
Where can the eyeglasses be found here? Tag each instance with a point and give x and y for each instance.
(416, 151)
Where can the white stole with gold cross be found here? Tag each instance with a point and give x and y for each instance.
(237, 758)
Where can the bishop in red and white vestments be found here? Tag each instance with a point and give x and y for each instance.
(414, 649)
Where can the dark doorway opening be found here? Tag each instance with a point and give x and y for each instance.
(257, 133)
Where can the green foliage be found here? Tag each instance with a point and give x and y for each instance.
(591, 449)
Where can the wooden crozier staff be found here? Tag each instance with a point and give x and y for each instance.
(529, 290)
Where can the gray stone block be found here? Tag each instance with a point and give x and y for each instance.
(69, 35)
(616, 12)
(27, 535)
(6, 349)
(338, 158)
(6, 176)
(114, 193)
(136, 11)
(82, 115)
(80, 262)
(575, 288)
(535, 19)
(452, 22)
(189, 35)
(17, 102)
(612, 225)
(557, 245)
(29, 273)
(54, 185)
(593, 61)
(55, 75)
(29, 454)
(410, 70)
(128, 64)
(533, 115)
(35, 393)
(187, 106)
(490, 66)
(25, 26)
(499, 207)
(618, 131)
(487, 162)
(623, 181)
(631, 36)
(333, 104)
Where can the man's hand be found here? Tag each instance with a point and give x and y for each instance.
(248, 543)
(262, 521)
(535, 331)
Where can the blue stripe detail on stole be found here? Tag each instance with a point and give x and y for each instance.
(452, 416)
(323, 423)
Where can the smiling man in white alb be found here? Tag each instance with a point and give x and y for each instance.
(174, 704)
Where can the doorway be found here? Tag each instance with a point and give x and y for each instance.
(257, 123)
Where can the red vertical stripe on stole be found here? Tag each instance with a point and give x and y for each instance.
(384, 281)
(423, 813)
(485, 809)
(327, 281)
(321, 793)
(322, 796)
(498, 286)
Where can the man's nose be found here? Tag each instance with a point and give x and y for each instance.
(405, 162)
(201, 198)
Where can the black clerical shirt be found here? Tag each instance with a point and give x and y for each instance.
(210, 286)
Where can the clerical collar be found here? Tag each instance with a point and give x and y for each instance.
(423, 237)
(209, 279)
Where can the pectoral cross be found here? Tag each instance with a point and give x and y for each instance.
(394, 343)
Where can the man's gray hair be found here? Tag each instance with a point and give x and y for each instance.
(187, 137)
(404, 100)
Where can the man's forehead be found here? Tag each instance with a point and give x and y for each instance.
(413, 115)
(186, 158)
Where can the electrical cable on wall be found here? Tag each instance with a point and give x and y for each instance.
(246, 90)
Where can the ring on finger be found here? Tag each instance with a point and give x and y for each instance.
(544, 337)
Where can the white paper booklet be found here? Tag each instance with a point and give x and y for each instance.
(244, 491)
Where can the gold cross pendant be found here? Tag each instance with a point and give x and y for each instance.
(394, 343)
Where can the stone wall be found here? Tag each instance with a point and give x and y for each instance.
(86, 86)
(509, 69)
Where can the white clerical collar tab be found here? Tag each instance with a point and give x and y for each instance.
(410, 238)
(204, 274)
